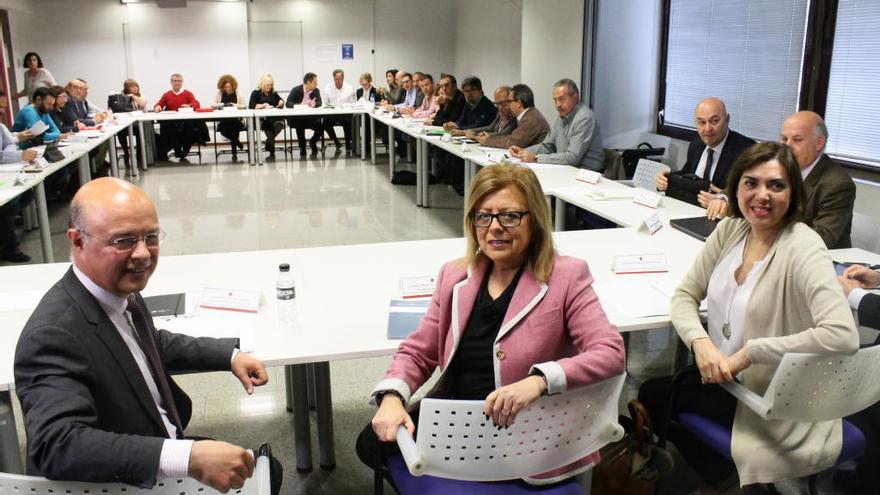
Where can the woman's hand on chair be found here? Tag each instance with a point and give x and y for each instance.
(713, 364)
(506, 402)
(390, 415)
(738, 362)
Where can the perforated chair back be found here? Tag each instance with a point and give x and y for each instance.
(455, 440)
(646, 172)
(814, 387)
(866, 232)
(15, 484)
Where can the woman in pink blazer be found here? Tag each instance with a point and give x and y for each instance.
(508, 323)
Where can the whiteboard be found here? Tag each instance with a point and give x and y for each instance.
(276, 47)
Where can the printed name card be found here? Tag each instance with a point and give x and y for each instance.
(411, 287)
(446, 138)
(640, 263)
(244, 300)
(588, 176)
(652, 224)
(229, 109)
(647, 198)
(497, 157)
(186, 110)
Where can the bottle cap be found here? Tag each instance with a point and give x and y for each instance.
(284, 267)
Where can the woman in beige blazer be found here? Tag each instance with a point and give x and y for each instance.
(771, 289)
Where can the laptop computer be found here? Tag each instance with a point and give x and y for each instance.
(699, 227)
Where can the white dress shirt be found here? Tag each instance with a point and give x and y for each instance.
(701, 167)
(521, 115)
(174, 459)
(334, 96)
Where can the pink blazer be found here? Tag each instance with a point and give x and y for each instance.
(558, 328)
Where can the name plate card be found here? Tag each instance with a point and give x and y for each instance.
(652, 224)
(412, 287)
(647, 198)
(446, 138)
(640, 263)
(243, 300)
(588, 176)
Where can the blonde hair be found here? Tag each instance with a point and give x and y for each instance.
(227, 78)
(495, 178)
(366, 77)
(265, 78)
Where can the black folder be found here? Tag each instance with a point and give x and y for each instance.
(699, 227)
(166, 304)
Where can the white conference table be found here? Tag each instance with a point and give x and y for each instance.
(340, 314)
(354, 110)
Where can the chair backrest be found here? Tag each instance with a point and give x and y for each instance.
(613, 165)
(866, 232)
(456, 441)
(646, 172)
(813, 387)
(16, 484)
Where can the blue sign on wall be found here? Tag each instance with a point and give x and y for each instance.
(347, 51)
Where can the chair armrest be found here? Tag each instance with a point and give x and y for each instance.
(410, 453)
(263, 476)
(753, 401)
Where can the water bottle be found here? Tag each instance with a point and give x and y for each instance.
(286, 294)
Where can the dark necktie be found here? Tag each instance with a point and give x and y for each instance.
(148, 346)
(707, 172)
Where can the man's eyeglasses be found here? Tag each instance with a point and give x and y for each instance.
(505, 218)
(129, 242)
(501, 103)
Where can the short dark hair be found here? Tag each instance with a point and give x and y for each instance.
(56, 91)
(29, 55)
(428, 77)
(569, 84)
(762, 153)
(393, 72)
(419, 73)
(338, 71)
(523, 94)
(41, 93)
(473, 82)
(450, 77)
(310, 76)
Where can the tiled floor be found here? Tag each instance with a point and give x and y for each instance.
(297, 203)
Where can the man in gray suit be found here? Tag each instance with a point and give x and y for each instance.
(92, 372)
(574, 137)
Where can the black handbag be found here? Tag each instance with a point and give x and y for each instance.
(120, 103)
(632, 156)
(686, 187)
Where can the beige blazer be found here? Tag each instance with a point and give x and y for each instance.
(796, 306)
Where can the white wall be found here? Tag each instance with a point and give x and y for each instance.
(415, 35)
(552, 47)
(488, 41)
(627, 67)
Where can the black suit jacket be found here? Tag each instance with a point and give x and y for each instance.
(88, 413)
(830, 197)
(736, 143)
(869, 311)
(295, 97)
(360, 93)
(76, 110)
(451, 110)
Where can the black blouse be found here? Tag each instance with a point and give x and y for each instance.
(472, 371)
(258, 97)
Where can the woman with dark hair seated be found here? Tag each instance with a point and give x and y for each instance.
(509, 322)
(229, 96)
(770, 289)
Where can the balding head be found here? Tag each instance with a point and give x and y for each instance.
(501, 97)
(712, 121)
(105, 215)
(805, 133)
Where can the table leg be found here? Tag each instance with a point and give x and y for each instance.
(288, 384)
(132, 153)
(362, 129)
(114, 166)
(468, 175)
(85, 169)
(324, 403)
(259, 141)
(559, 220)
(252, 159)
(45, 227)
(420, 200)
(392, 151)
(301, 427)
(143, 146)
(373, 133)
(426, 171)
(10, 457)
(409, 157)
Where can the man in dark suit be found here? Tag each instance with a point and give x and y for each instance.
(830, 191)
(712, 152)
(855, 280)
(451, 102)
(309, 95)
(92, 372)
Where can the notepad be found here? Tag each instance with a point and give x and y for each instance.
(404, 317)
(166, 304)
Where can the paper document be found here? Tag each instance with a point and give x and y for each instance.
(609, 194)
(38, 128)
(20, 301)
(404, 316)
(632, 298)
(11, 167)
(667, 288)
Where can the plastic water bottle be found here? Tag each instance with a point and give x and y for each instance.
(286, 294)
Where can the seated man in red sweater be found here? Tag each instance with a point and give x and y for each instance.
(179, 135)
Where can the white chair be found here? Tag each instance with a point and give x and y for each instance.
(15, 484)
(646, 172)
(866, 232)
(456, 440)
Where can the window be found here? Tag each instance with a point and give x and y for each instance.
(852, 111)
(749, 53)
